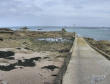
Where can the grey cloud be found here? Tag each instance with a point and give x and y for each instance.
(17, 7)
(52, 12)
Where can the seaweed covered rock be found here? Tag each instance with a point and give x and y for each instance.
(4, 54)
(50, 67)
(1, 39)
(8, 67)
(28, 62)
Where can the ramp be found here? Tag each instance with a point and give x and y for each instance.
(86, 66)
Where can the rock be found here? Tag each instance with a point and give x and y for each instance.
(18, 48)
(50, 67)
(4, 54)
(8, 67)
(1, 39)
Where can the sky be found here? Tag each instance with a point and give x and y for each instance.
(55, 12)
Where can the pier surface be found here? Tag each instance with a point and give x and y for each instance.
(86, 66)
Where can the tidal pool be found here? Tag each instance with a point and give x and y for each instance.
(54, 39)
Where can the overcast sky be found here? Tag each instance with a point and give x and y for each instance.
(55, 12)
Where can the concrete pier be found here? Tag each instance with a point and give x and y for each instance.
(86, 65)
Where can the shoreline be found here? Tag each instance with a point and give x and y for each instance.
(83, 31)
(102, 45)
(26, 59)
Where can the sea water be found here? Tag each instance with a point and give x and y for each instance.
(98, 33)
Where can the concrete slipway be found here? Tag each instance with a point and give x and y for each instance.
(86, 66)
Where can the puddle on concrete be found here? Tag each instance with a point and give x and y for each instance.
(97, 78)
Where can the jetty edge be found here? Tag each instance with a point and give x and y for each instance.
(59, 78)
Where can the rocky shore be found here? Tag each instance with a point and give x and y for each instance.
(32, 57)
(103, 45)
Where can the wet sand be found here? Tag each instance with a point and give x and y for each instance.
(36, 74)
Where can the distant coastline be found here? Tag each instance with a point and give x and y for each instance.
(98, 33)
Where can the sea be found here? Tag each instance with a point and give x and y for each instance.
(98, 33)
